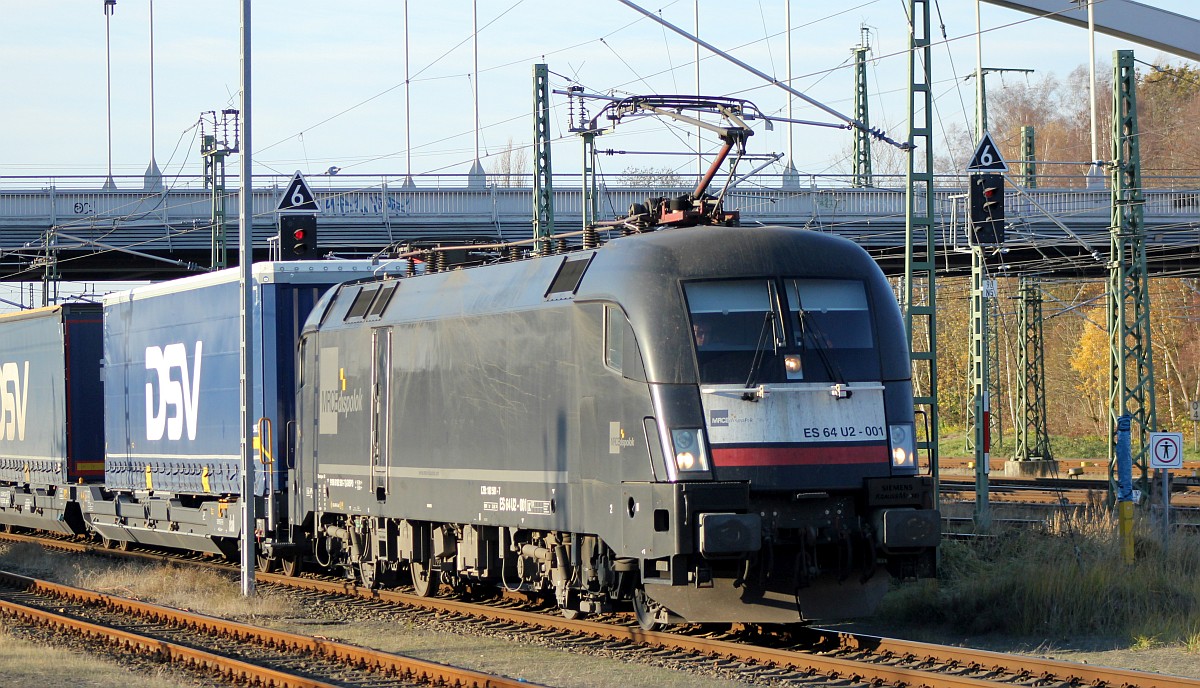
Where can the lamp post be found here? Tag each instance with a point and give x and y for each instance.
(152, 180)
(110, 6)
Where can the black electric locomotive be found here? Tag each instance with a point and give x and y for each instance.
(710, 424)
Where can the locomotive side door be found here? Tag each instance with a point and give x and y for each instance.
(381, 393)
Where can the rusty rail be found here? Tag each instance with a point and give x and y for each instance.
(882, 661)
(383, 663)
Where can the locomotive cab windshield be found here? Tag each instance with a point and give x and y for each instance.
(741, 336)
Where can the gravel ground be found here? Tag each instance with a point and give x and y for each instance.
(27, 657)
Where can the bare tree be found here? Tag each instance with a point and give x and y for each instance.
(510, 166)
(652, 177)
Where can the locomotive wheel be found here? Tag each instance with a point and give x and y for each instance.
(425, 578)
(289, 566)
(644, 609)
(265, 564)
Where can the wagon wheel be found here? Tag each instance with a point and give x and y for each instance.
(265, 564)
(368, 573)
(425, 578)
(290, 566)
(646, 611)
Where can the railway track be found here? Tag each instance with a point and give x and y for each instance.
(233, 652)
(1058, 491)
(755, 655)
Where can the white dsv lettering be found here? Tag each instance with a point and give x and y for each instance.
(14, 400)
(178, 400)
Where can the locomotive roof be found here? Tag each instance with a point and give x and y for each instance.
(642, 273)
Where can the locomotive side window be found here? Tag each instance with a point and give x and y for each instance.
(614, 339)
(621, 351)
(383, 299)
(569, 275)
(362, 301)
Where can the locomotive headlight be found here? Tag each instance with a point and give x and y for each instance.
(690, 454)
(904, 447)
(793, 367)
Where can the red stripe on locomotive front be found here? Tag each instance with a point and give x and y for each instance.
(798, 456)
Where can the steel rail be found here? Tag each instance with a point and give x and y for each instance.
(989, 668)
(383, 662)
(954, 659)
(1031, 667)
(171, 651)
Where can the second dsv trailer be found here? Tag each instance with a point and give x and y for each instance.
(172, 432)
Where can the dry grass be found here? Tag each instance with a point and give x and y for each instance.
(1067, 582)
(193, 589)
(197, 590)
(26, 663)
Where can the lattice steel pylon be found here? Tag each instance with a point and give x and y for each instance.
(543, 184)
(862, 135)
(1131, 363)
(214, 178)
(920, 289)
(223, 140)
(1033, 436)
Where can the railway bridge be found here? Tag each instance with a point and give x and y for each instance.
(77, 230)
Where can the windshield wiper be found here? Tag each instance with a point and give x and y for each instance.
(809, 332)
(756, 363)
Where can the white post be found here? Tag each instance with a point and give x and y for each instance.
(407, 110)
(1095, 175)
(151, 82)
(110, 6)
(787, 19)
(246, 268)
(699, 146)
(980, 103)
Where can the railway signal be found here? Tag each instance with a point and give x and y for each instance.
(298, 236)
(296, 210)
(986, 198)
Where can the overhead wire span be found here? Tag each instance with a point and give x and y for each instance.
(876, 133)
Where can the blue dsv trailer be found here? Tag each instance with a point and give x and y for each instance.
(50, 419)
(172, 430)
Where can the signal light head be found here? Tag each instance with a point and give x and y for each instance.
(298, 234)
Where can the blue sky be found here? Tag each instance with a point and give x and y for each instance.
(328, 77)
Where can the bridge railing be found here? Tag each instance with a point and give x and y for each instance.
(436, 199)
